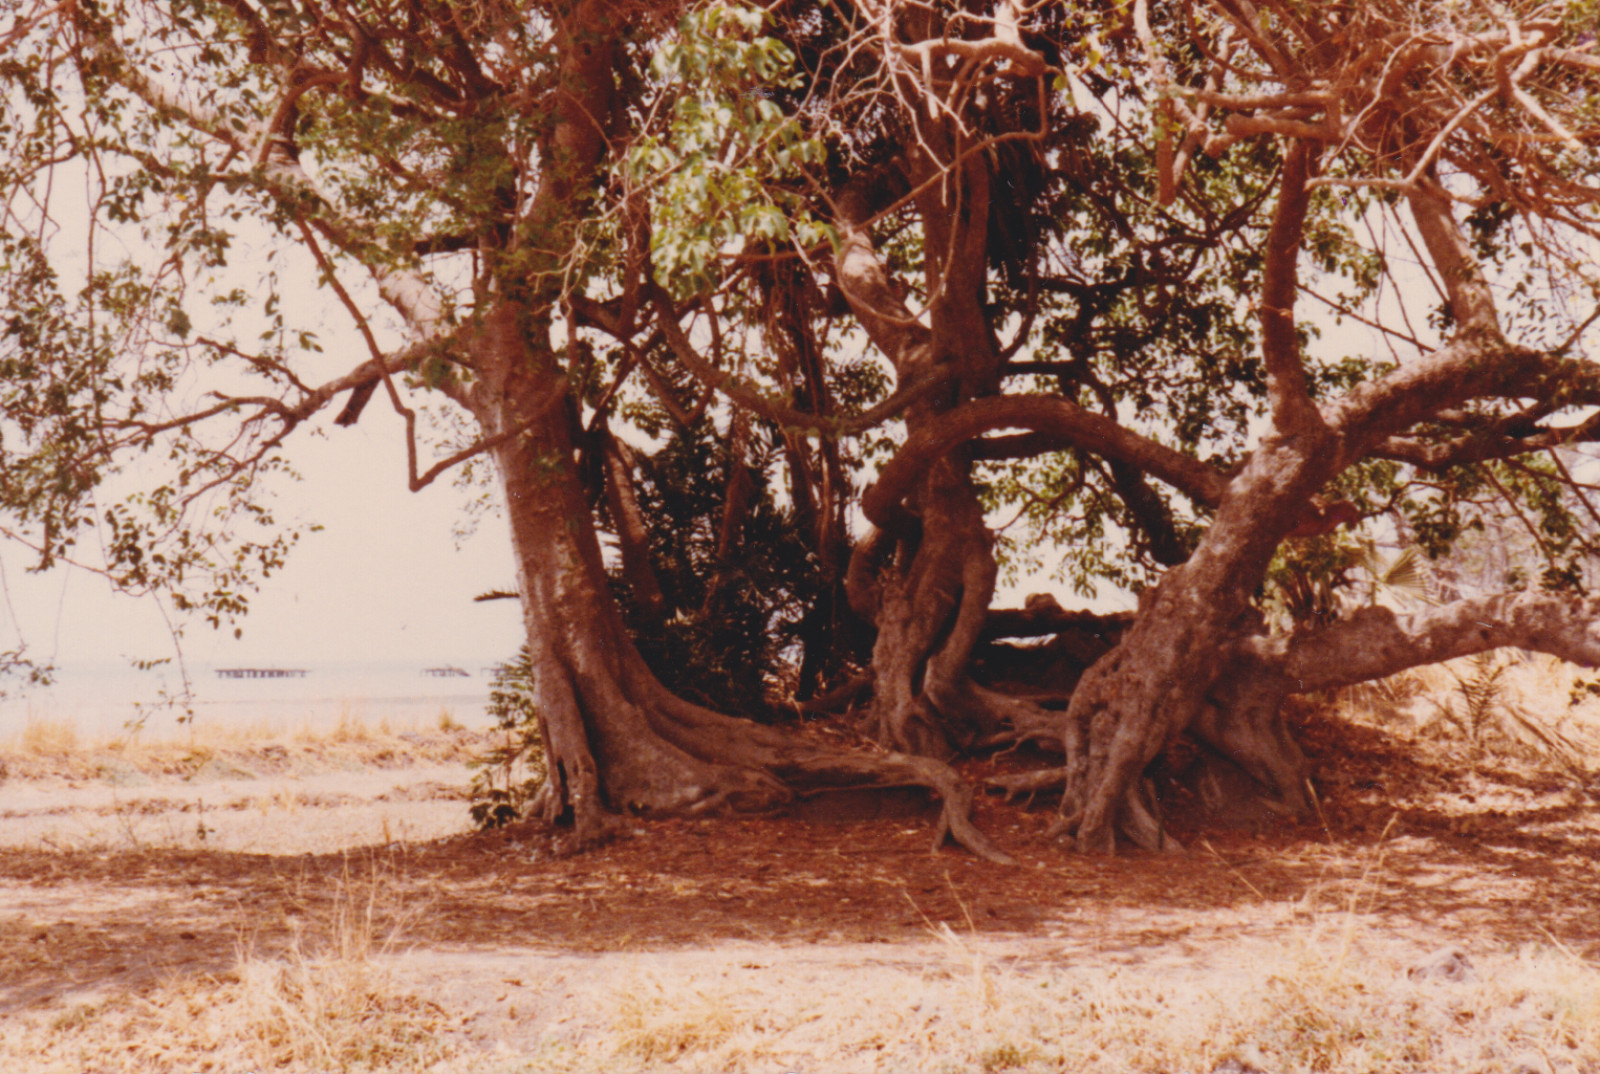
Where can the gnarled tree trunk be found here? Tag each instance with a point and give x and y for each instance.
(617, 741)
(1167, 670)
(926, 578)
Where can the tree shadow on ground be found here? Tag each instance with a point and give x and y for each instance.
(1397, 840)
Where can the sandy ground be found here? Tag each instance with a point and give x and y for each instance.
(236, 812)
(318, 908)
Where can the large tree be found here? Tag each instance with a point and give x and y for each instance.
(461, 178)
(1069, 247)
(1398, 114)
(1264, 136)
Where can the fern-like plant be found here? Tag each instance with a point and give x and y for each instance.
(1480, 690)
(1488, 709)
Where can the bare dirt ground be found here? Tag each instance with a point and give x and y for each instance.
(316, 910)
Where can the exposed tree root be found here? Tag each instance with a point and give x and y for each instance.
(838, 697)
(1029, 783)
(845, 769)
(702, 762)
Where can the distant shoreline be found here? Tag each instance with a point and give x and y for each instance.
(102, 698)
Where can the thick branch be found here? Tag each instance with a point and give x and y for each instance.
(904, 340)
(1078, 427)
(1292, 408)
(1024, 62)
(1484, 447)
(632, 528)
(745, 394)
(1150, 513)
(363, 378)
(1373, 417)
(1473, 365)
(1376, 641)
(1471, 300)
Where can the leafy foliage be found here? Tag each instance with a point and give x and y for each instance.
(717, 174)
(16, 664)
(513, 770)
(733, 604)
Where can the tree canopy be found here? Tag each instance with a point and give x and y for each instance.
(784, 328)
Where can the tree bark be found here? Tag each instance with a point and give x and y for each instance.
(1154, 685)
(932, 561)
(617, 742)
(1375, 641)
(1243, 717)
(1175, 665)
(633, 539)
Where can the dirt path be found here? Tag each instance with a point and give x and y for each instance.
(824, 934)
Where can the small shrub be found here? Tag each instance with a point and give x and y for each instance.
(513, 770)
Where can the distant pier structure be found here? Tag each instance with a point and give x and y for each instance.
(447, 672)
(261, 673)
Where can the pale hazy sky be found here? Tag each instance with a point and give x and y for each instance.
(385, 579)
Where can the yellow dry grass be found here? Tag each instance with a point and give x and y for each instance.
(1324, 1002)
(1331, 997)
(1533, 705)
(46, 737)
(55, 733)
(1329, 994)
(54, 747)
(326, 1005)
(296, 1014)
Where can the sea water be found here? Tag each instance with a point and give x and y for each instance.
(108, 699)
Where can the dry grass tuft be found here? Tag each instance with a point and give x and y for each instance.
(1506, 703)
(1318, 1004)
(47, 737)
(1332, 994)
(298, 1014)
(660, 1025)
(351, 727)
(54, 748)
(326, 1005)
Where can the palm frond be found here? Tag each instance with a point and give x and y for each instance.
(1406, 574)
